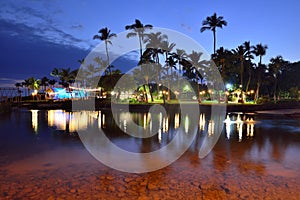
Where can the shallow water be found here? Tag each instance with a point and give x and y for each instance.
(42, 157)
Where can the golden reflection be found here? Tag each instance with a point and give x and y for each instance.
(186, 124)
(202, 122)
(103, 121)
(250, 127)
(165, 124)
(240, 130)
(75, 121)
(145, 121)
(176, 120)
(239, 126)
(159, 135)
(57, 118)
(34, 120)
(211, 127)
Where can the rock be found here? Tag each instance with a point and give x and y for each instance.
(151, 186)
(128, 179)
(72, 190)
(109, 177)
(143, 198)
(111, 188)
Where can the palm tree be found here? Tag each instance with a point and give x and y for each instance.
(259, 50)
(44, 82)
(222, 59)
(18, 85)
(138, 29)
(197, 64)
(52, 82)
(105, 35)
(66, 76)
(276, 67)
(242, 53)
(153, 44)
(211, 23)
(167, 48)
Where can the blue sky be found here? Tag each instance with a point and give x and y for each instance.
(36, 36)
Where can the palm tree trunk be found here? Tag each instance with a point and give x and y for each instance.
(141, 53)
(257, 91)
(145, 93)
(248, 82)
(242, 71)
(214, 32)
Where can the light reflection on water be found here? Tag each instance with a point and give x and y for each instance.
(242, 125)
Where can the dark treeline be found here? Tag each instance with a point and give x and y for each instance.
(272, 81)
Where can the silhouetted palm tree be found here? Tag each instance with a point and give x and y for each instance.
(105, 35)
(276, 67)
(153, 44)
(222, 59)
(259, 50)
(52, 82)
(242, 53)
(44, 82)
(138, 29)
(197, 66)
(211, 23)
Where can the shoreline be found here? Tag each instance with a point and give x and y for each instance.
(105, 105)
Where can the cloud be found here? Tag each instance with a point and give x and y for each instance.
(9, 82)
(19, 20)
(186, 27)
(77, 27)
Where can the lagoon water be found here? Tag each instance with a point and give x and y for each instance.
(42, 157)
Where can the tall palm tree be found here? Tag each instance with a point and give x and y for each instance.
(138, 29)
(242, 53)
(180, 55)
(153, 44)
(259, 50)
(166, 47)
(105, 35)
(276, 67)
(211, 23)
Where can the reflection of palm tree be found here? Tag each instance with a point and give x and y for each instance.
(105, 35)
(138, 29)
(275, 68)
(211, 23)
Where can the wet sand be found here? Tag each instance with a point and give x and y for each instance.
(74, 174)
(264, 167)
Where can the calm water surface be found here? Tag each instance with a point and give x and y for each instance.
(256, 157)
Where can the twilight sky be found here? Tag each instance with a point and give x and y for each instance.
(36, 36)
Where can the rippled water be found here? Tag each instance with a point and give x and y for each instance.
(256, 156)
